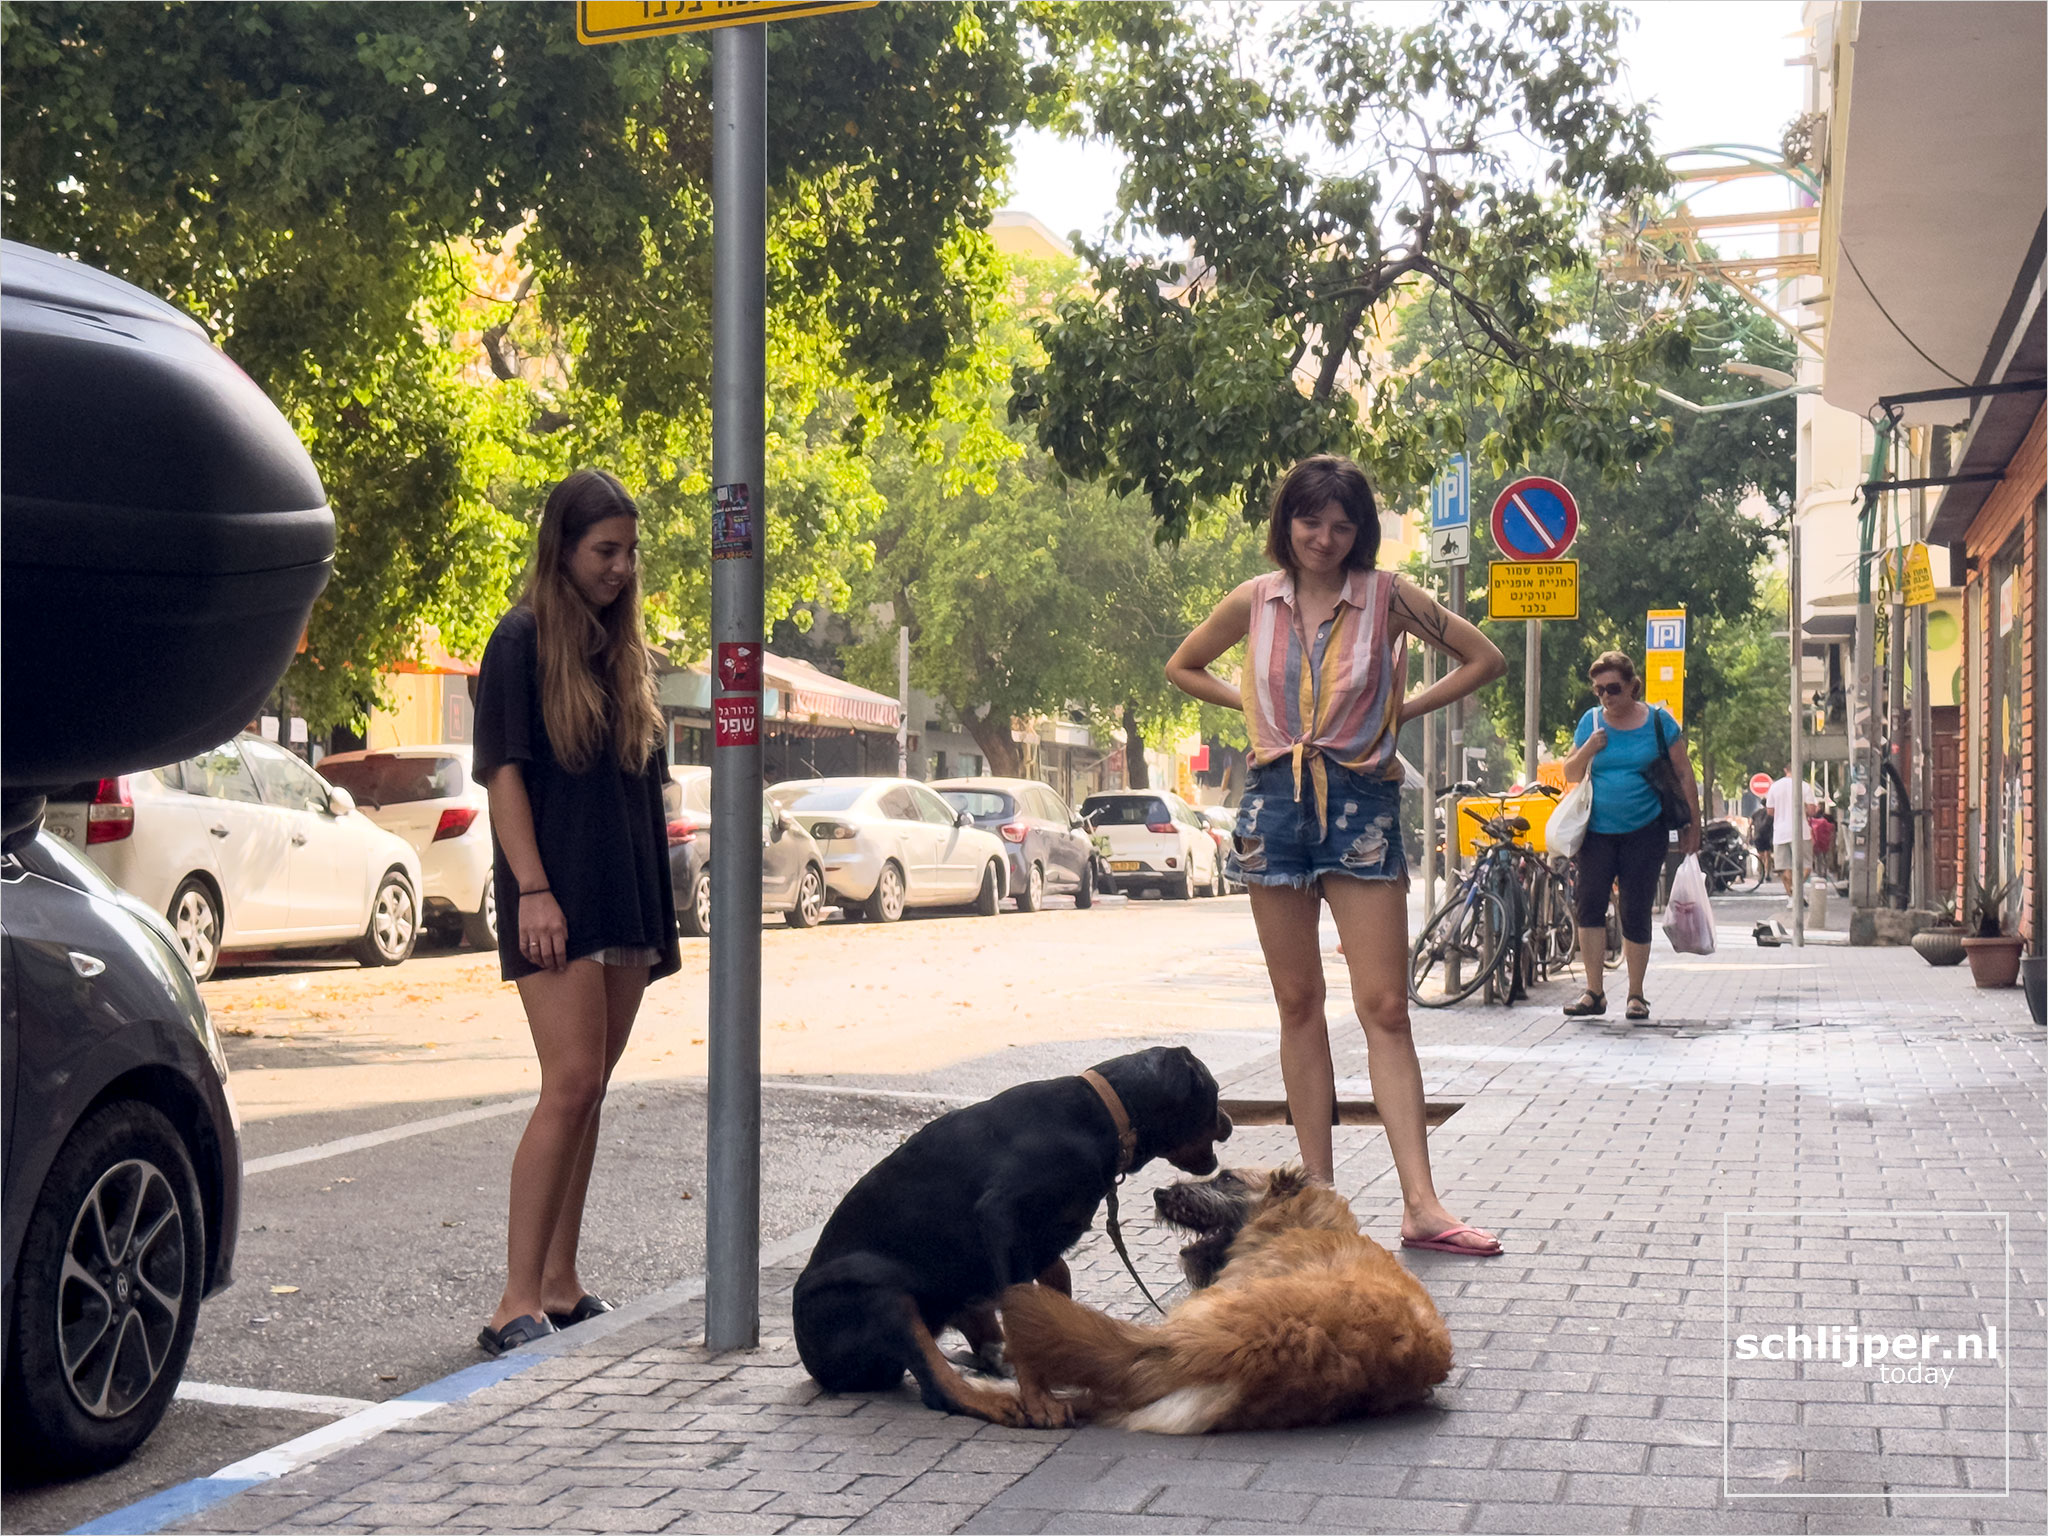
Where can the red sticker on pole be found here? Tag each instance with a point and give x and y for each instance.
(739, 666)
(735, 722)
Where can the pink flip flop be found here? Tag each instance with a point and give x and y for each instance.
(1439, 1245)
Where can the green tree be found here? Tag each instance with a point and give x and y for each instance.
(1323, 171)
(303, 178)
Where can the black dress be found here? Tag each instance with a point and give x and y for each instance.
(603, 833)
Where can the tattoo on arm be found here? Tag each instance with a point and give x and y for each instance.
(1431, 622)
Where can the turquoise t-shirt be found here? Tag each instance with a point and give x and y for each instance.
(1622, 798)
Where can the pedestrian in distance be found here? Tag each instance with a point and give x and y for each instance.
(568, 745)
(1760, 835)
(1322, 692)
(1791, 808)
(1618, 742)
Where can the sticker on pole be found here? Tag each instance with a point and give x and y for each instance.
(732, 522)
(1532, 589)
(735, 722)
(739, 667)
(1534, 518)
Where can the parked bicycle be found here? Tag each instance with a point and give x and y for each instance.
(1727, 859)
(1506, 924)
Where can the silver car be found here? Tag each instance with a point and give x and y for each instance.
(891, 844)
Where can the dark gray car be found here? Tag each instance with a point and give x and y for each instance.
(1048, 845)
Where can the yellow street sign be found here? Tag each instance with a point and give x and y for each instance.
(1532, 589)
(1919, 582)
(615, 21)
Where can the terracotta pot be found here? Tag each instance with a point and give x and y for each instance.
(1994, 962)
(1939, 946)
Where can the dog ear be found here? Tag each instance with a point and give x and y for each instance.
(1286, 1182)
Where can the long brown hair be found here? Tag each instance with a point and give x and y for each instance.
(596, 681)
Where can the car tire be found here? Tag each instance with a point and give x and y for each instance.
(196, 919)
(394, 924)
(1031, 894)
(1084, 895)
(1182, 888)
(886, 904)
(481, 926)
(808, 910)
(694, 916)
(988, 901)
(79, 1404)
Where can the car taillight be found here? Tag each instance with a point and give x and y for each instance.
(111, 816)
(1222, 840)
(832, 831)
(454, 821)
(1158, 826)
(1013, 831)
(680, 831)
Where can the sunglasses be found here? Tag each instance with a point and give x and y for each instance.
(1608, 690)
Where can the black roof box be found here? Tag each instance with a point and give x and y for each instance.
(163, 532)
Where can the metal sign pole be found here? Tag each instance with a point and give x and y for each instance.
(1796, 772)
(739, 201)
(1532, 699)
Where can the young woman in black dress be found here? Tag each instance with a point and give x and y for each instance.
(568, 744)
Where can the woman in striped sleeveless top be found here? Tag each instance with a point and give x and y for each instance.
(1324, 693)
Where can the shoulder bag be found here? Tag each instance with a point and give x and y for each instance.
(1674, 812)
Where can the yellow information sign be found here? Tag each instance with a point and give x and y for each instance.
(1664, 661)
(615, 21)
(1919, 580)
(1532, 589)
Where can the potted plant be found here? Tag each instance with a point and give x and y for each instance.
(1994, 955)
(1942, 943)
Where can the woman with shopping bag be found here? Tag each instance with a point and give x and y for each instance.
(1643, 788)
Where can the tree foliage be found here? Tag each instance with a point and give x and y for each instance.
(306, 179)
(1323, 171)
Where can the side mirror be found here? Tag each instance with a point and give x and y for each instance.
(962, 819)
(339, 801)
(777, 824)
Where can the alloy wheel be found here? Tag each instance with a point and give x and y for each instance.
(197, 927)
(394, 923)
(122, 1290)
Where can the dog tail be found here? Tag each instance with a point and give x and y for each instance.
(1119, 1369)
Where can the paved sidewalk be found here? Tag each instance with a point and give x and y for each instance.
(1813, 1140)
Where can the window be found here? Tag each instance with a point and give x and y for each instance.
(221, 774)
(388, 779)
(1124, 810)
(932, 808)
(809, 800)
(977, 802)
(898, 806)
(284, 780)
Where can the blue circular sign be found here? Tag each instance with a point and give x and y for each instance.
(1535, 518)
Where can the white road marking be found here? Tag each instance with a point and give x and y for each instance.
(257, 1397)
(369, 1139)
(325, 1440)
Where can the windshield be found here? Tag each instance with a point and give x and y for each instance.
(1123, 810)
(977, 802)
(389, 780)
(825, 797)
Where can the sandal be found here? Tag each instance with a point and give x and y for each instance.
(1638, 1007)
(1590, 1005)
(585, 1309)
(521, 1330)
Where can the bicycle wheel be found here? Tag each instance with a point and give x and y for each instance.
(1518, 954)
(1463, 936)
(1557, 933)
(1752, 876)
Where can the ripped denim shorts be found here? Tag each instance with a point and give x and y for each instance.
(1277, 842)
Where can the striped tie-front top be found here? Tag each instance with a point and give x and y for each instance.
(1335, 694)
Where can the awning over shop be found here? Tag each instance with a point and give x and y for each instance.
(811, 697)
(431, 658)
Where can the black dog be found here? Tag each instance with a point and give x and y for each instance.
(981, 1199)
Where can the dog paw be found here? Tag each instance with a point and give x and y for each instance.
(1050, 1413)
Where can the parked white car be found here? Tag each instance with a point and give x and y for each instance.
(1156, 842)
(245, 847)
(892, 843)
(426, 796)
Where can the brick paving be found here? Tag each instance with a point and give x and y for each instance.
(1807, 1140)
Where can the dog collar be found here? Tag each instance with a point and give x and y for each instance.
(1126, 1138)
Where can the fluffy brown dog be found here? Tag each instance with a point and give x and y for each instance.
(1307, 1321)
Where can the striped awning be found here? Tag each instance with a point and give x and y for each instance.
(811, 697)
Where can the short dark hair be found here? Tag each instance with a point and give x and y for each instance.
(1309, 487)
(1618, 662)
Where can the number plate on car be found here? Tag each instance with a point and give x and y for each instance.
(68, 823)
(1125, 864)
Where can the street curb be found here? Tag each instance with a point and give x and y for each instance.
(183, 1500)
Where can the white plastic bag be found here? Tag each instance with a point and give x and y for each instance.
(1688, 917)
(1566, 829)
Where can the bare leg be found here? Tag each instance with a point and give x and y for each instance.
(1286, 920)
(1638, 958)
(1593, 954)
(565, 1010)
(561, 1286)
(1373, 917)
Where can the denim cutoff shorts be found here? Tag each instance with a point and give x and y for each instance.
(1277, 842)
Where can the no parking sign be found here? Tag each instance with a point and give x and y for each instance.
(1534, 518)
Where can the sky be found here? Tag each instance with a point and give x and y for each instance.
(1714, 70)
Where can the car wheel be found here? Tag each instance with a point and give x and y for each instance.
(107, 1293)
(809, 908)
(1182, 888)
(195, 919)
(988, 901)
(886, 905)
(695, 917)
(1031, 895)
(1084, 897)
(394, 924)
(481, 926)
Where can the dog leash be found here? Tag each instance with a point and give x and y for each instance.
(1127, 1148)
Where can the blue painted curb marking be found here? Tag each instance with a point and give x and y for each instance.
(160, 1509)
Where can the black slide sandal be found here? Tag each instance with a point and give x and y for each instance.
(521, 1330)
(1638, 1007)
(584, 1310)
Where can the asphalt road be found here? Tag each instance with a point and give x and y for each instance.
(364, 1272)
